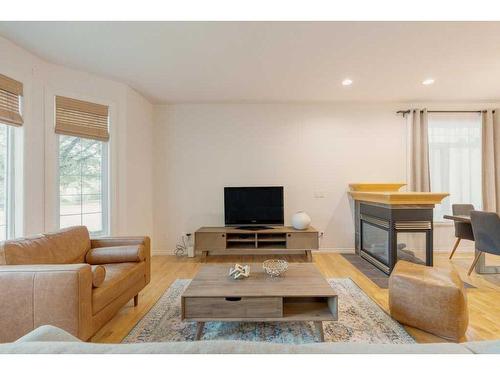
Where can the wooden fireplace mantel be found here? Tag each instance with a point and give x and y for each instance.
(388, 193)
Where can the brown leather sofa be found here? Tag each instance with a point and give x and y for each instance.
(67, 280)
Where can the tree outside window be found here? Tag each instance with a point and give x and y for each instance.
(83, 183)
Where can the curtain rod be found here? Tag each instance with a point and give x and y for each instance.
(408, 111)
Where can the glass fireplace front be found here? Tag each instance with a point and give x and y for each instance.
(375, 245)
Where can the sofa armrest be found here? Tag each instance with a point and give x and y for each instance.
(127, 241)
(120, 241)
(116, 254)
(36, 295)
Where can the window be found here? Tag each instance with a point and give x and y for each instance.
(6, 180)
(83, 164)
(455, 159)
(11, 94)
(83, 183)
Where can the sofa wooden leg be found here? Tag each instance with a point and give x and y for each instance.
(136, 300)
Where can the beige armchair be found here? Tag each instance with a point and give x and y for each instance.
(67, 280)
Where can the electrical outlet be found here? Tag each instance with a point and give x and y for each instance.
(319, 194)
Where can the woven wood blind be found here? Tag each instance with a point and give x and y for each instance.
(10, 101)
(81, 119)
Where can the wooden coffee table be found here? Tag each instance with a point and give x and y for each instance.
(301, 294)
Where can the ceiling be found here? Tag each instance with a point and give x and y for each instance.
(278, 61)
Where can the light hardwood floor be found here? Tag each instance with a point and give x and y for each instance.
(484, 300)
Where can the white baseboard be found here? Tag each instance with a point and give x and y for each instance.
(346, 250)
(322, 250)
(162, 252)
(465, 251)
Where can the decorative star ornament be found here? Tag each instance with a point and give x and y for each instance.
(239, 272)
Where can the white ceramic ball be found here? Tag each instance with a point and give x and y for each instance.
(301, 220)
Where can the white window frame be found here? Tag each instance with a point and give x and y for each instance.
(11, 191)
(105, 178)
(10, 222)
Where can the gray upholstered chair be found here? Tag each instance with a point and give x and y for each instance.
(486, 228)
(463, 231)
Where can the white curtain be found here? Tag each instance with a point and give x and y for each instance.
(491, 161)
(455, 159)
(418, 151)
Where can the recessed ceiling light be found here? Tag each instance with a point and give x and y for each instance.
(428, 81)
(347, 82)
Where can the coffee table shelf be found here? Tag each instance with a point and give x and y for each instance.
(311, 311)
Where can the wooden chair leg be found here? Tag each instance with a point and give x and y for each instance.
(455, 247)
(476, 259)
(136, 300)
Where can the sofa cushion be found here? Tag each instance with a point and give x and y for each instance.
(119, 278)
(69, 245)
(98, 276)
(48, 333)
(116, 254)
(228, 347)
(483, 347)
(49, 339)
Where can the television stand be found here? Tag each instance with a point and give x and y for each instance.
(269, 241)
(254, 227)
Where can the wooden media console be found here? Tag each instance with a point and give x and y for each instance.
(237, 241)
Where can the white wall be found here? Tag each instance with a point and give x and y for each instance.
(307, 148)
(136, 187)
(131, 119)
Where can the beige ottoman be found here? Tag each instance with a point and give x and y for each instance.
(431, 299)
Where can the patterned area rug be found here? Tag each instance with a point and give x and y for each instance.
(360, 320)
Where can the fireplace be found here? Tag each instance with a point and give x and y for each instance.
(386, 233)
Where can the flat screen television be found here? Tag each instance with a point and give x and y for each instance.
(253, 206)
